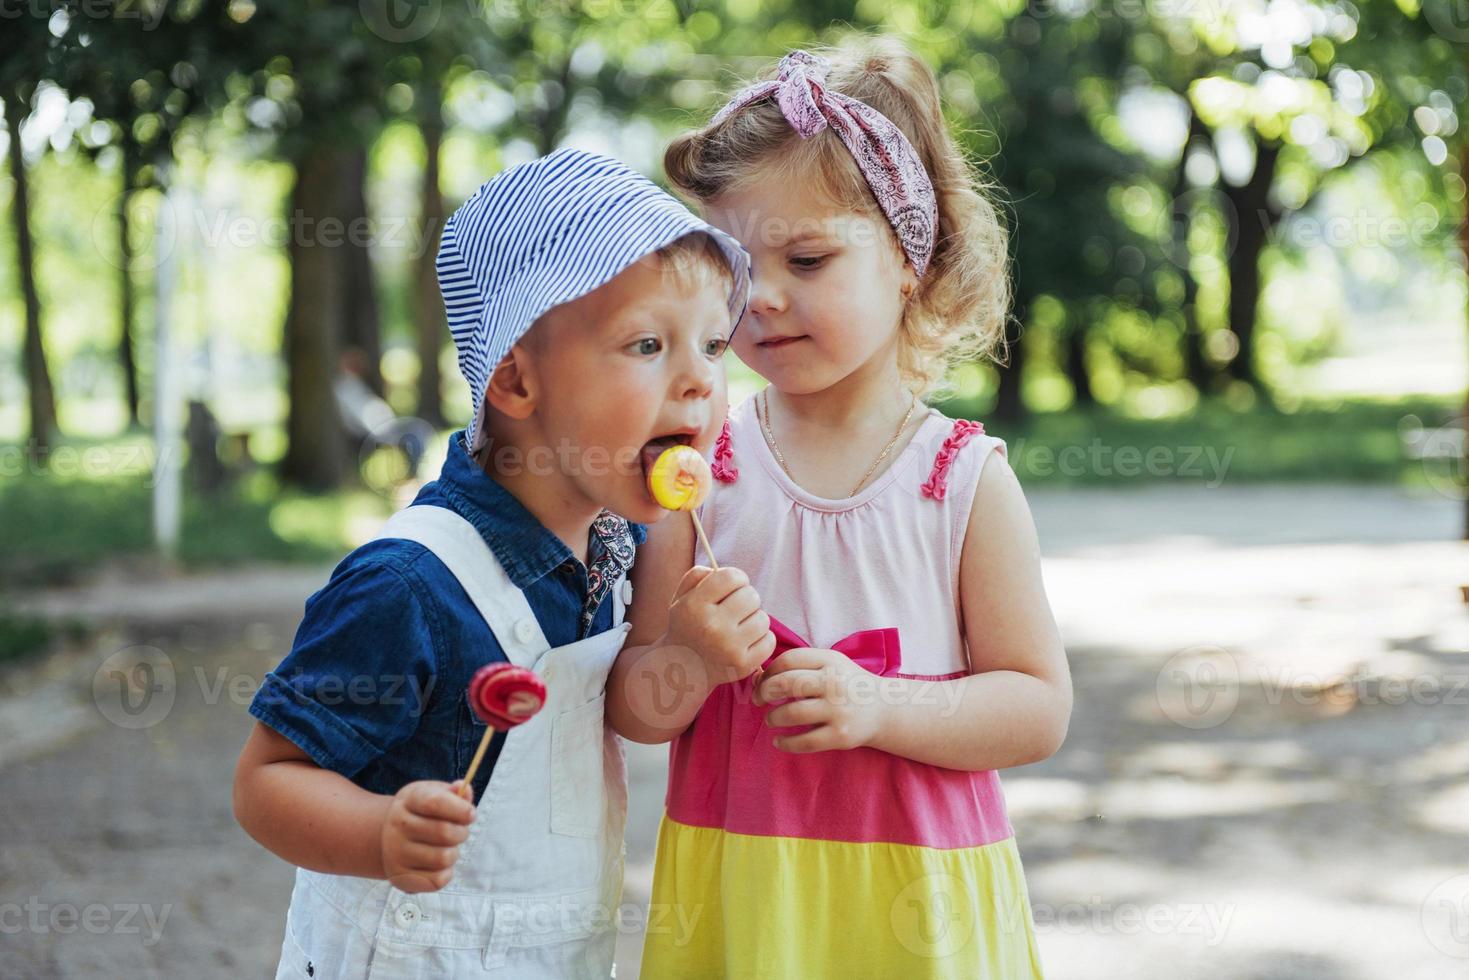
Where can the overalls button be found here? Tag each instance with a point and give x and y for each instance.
(524, 630)
(408, 914)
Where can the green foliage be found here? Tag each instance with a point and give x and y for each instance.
(1357, 440)
(1122, 253)
(58, 524)
(22, 636)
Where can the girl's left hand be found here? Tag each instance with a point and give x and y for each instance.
(843, 701)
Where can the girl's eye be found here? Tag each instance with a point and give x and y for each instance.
(648, 345)
(807, 261)
(716, 347)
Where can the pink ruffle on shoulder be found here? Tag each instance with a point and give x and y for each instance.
(723, 465)
(937, 484)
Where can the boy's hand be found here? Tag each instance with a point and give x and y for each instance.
(823, 689)
(717, 614)
(422, 831)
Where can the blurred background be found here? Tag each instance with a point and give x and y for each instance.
(1235, 394)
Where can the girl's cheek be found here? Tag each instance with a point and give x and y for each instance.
(742, 348)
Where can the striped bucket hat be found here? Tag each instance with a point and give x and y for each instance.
(544, 233)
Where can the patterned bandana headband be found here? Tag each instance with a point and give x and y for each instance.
(887, 160)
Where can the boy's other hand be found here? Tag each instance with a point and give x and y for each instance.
(717, 614)
(422, 831)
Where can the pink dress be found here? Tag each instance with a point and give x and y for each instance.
(841, 863)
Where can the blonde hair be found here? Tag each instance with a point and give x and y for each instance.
(959, 309)
(694, 259)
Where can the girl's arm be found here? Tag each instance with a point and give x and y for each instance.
(320, 820)
(692, 629)
(1014, 707)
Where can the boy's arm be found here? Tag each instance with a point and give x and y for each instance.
(310, 816)
(293, 790)
(692, 629)
(320, 820)
(642, 670)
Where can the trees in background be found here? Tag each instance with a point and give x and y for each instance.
(29, 55)
(1129, 264)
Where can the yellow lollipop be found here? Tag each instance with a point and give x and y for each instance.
(680, 480)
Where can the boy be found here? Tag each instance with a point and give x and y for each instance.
(589, 310)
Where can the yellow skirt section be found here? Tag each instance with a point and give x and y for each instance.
(734, 905)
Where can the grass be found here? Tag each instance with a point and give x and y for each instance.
(71, 515)
(22, 636)
(1356, 441)
(55, 526)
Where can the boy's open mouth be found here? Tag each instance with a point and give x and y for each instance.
(657, 446)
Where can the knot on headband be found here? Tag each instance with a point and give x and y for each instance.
(888, 162)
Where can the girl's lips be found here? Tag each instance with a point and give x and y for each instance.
(779, 342)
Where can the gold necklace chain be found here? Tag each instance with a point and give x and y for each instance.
(762, 406)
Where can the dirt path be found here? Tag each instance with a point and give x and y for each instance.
(1265, 776)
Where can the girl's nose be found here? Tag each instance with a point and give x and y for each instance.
(766, 297)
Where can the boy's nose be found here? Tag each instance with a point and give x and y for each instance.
(696, 379)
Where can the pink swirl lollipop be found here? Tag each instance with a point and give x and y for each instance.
(502, 696)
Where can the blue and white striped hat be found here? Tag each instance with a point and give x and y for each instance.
(544, 233)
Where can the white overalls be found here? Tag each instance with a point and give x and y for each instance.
(536, 888)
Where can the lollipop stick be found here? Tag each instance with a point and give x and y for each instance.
(479, 755)
(704, 540)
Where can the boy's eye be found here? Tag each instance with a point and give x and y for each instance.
(716, 347)
(648, 345)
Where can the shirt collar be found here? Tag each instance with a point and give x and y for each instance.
(523, 545)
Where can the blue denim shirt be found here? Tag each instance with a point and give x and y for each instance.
(375, 684)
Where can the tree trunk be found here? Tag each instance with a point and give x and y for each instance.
(1254, 217)
(428, 309)
(41, 394)
(1197, 368)
(126, 353)
(1008, 405)
(552, 123)
(1076, 370)
(1464, 248)
(362, 323)
(316, 450)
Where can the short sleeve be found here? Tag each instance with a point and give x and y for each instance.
(358, 677)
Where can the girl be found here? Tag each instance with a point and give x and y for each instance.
(838, 813)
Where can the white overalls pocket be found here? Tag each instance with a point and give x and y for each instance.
(578, 789)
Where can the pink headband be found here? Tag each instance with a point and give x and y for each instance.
(883, 154)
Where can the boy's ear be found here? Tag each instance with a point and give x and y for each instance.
(513, 389)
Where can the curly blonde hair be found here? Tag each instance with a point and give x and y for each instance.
(959, 309)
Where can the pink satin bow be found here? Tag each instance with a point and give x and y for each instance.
(876, 651)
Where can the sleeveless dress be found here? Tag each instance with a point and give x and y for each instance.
(854, 863)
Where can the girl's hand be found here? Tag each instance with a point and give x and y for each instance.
(717, 615)
(843, 701)
(422, 831)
